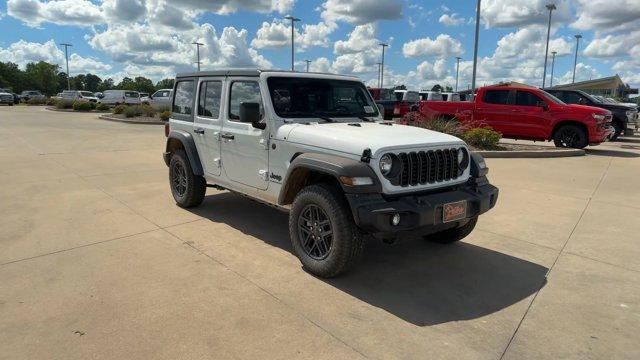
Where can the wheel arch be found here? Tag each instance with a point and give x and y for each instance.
(310, 168)
(179, 139)
(562, 123)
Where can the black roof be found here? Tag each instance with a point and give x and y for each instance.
(241, 72)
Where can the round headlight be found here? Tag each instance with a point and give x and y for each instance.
(463, 158)
(386, 164)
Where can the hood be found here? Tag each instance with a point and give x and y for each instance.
(587, 109)
(375, 136)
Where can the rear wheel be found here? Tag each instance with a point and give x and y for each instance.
(570, 136)
(323, 233)
(617, 126)
(188, 189)
(453, 235)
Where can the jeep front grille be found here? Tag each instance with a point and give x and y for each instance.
(426, 167)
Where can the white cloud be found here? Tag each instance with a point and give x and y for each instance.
(361, 11)
(442, 46)
(451, 20)
(583, 72)
(277, 34)
(607, 16)
(64, 12)
(517, 13)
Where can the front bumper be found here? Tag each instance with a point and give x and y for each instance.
(420, 214)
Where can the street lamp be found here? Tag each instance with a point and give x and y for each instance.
(66, 55)
(549, 7)
(575, 61)
(458, 58)
(308, 62)
(379, 67)
(553, 64)
(197, 44)
(475, 50)
(293, 25)
(382, 65)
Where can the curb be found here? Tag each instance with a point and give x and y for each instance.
(531, 154)
(73, 111)
(111, 118)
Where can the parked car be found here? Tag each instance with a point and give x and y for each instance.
(118, 97)
(426, 95)
(521, 112)
(79, 95)
(31, 94)
(161, 97)
(625, 118)
(315, 145)
(385, 98)
(450, 96)
(6, 97)
(407, 101)
(99, 95)
(144, 98)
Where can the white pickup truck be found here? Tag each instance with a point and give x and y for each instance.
(315, 145)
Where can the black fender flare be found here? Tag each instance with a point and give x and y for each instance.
(332, 165)
(190, 149)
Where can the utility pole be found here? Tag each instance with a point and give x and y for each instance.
(475, 50)
(66, 55)
(549, 7)
(197, 44)
(384, 45)
(308, 62)
(575, 61)
(293, 26)
(458, 58)
(379, 68)
(553, 64)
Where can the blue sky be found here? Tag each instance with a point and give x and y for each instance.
(117, 38)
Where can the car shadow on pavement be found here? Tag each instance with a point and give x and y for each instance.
(420, 282)
(615, 153)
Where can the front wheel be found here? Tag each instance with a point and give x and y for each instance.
(323, 233)
(570, 136)
(188, 189)
(453, 235)
(618, 130)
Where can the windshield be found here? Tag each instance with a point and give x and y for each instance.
(311, 97)
(552, 98)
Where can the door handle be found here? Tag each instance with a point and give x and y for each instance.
(227, 136)
(199, 131)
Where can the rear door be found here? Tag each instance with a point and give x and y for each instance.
(244, 148)
(495, 110)
(208, 123)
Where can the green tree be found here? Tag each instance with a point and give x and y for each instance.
(400, 87)
(43, 76)
(144, 85)
(106, 84)
(437, 88)
(448, 88)
(164, 84)
(126, 84)
(12, 77)
(91, 82)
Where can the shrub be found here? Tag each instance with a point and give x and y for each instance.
(51, 102)
(132, 111)
(165, 115)
(120, 109)
(147, 110)
(163, 108)
(36, 101)
(93, 105)
(64, 104)
(102, 107)
(82, 106)
(482, 138)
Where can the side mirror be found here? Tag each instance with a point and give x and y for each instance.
(543, 105)
(250, 113)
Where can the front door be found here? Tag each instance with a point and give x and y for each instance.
(208, 124)
(532, 120)
(245, 156)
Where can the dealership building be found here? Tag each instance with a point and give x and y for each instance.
(612, 86)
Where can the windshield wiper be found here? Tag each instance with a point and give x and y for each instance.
(361, 117)
(311, 115)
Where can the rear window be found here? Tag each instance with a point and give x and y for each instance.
(412, 96)
(210, 97)
(500, 97)
(183, 100)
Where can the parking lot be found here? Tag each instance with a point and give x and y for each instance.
(96, 261)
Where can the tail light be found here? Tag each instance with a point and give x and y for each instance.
(167, 129)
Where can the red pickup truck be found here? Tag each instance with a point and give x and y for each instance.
(522, 112)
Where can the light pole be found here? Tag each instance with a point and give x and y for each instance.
(458, 58)
(197, 44)
(382, 65)
(308, 62)
(575, 61)
(379, 67)
(553, 64)
(475, 50)
(549, 7)
(293, 25)
(66, 55)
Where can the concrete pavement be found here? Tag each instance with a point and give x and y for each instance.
(96, 261)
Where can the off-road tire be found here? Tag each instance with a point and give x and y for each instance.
(618, 130)
(347, 243)
(195, 186)
(578, 141)
(453, 235)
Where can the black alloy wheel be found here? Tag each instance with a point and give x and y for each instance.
(178, 179)
(571, 136)
(315, 232)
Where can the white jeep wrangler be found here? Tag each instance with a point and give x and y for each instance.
(315, 145)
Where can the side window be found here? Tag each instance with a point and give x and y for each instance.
(572, 98)
(500, 97)
(524, 98)
(183, 99)
(243, 91)
(209, 101)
